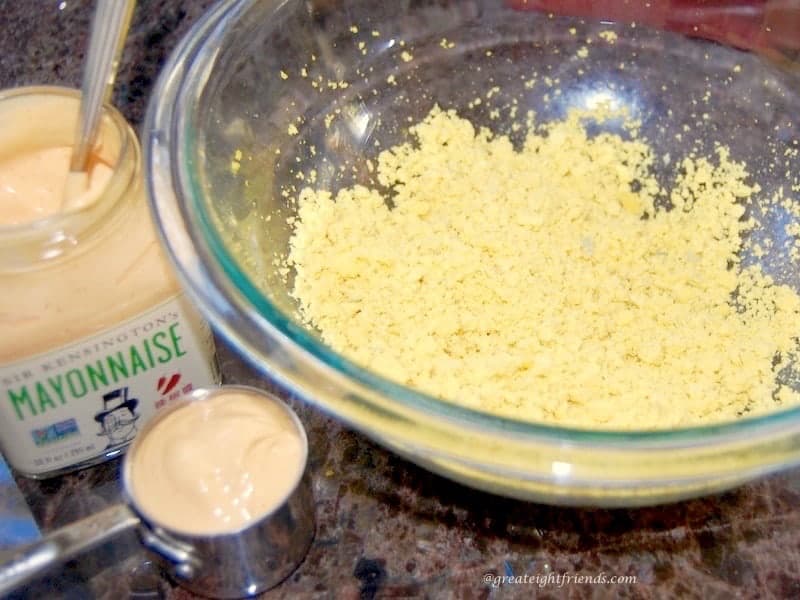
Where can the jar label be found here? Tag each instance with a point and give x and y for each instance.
(75, 405)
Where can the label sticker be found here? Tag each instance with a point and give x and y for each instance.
(79, 402)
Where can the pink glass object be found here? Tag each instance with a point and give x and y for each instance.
(770, 27)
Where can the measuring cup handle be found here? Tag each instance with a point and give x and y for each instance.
(64, 544)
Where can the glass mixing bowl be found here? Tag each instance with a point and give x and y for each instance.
(245, 103)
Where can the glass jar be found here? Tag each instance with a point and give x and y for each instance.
(95, 332)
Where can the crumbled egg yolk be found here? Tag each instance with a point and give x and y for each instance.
(545, 284)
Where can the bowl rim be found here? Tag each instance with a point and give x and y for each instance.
(201, 256)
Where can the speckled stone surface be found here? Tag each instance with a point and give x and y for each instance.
(386, 528)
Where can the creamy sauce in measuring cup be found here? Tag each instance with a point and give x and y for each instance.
(216, 485)
(216, 465)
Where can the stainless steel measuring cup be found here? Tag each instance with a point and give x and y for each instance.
(231, 565)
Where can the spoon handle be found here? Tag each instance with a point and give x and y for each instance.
(109, 28)
(63, 544)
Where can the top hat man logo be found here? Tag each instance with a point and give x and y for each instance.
(118, 417)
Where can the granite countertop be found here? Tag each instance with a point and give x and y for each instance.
(386, 528)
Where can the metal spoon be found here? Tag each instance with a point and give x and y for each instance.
(110, 25)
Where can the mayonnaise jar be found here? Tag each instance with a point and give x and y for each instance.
(95, 333)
